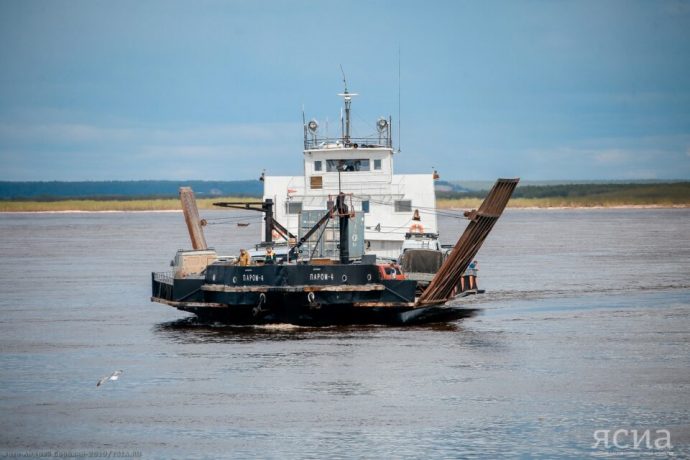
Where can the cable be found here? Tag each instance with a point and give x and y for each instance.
(422, 209)
(318, 240)
(232, 220)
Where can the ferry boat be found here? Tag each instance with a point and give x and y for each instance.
(338, 231)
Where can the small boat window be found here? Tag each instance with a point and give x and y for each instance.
(361, 164)
(294, 207)
(377, 164)
(365, 206)
(403, 205)
(317, 165)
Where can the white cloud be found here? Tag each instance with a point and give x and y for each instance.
(636, 161)
(75, 151)
(611, 156)
(80, 133)
(125, 150)
(62, 133)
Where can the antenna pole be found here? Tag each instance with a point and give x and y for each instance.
(399, 130)
(347, 96)
(344, 218)
(304, 125)
(348, 101)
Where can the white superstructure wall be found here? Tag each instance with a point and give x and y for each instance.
(388, 200)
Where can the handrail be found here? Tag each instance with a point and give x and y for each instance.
(163, 277)
(354, 143)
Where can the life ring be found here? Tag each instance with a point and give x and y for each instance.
(416, 228)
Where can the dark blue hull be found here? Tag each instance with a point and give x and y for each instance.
(299, 294)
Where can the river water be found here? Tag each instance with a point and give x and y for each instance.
(585, 327)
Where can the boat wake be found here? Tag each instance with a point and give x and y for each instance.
(501, 296)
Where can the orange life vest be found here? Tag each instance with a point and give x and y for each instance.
(391, 272)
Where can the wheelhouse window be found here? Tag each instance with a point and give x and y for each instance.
(377, 165)
(361, 164)
(294, 207)
(365, 206)
(317, 165)
(403, 205)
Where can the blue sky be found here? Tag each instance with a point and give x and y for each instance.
(544, 90)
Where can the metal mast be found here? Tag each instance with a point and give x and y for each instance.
(347, 96)
(344, 223)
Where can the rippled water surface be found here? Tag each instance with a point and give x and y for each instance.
(585, 326)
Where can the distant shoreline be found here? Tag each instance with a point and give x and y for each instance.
(79, 211)
(458, 207)
(564, 196)
(88, 205)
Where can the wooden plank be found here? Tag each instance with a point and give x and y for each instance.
(481, 223)
(285, 289)
(177, 304)
(226, 288)
(191, 217)
(429, 303)
(383, 304)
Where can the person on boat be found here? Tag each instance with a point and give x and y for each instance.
(416, 226)
(270, 257)
(472, 274)
(390, 270)
(468, 281)
(245, 260)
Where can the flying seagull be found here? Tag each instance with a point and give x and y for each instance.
(114, 376)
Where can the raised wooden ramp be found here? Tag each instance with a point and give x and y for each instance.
(441, 288)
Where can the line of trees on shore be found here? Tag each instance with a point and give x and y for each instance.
(675, 191)
(124, 190)
(152, 189)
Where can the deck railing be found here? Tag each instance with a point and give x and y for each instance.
(340, 143)
(163, 277)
